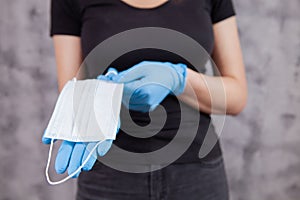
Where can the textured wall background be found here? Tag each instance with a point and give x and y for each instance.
(261, 146)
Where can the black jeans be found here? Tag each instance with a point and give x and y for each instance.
(190, 181)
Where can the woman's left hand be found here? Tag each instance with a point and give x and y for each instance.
(148, 83)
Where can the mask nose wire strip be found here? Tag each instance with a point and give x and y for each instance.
(71, 175)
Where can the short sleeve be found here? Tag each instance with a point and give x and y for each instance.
(65, 18)
(221, 9)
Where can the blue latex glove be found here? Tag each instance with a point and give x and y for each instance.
(148, 83)
(71, 154)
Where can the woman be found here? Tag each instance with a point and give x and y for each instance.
(78, 26)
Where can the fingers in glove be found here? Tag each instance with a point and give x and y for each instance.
(63, 156)
(76, 158)
(132, 74)
(46, 140)
(104, 147)
(89, 165)
(111, 72)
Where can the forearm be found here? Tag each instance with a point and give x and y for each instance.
(68, 58)
(217, 95)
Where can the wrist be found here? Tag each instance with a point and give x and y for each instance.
(181, 71)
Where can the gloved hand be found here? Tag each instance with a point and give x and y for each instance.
(149, 82)
(72, 154)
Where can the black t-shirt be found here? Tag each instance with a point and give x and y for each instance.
(96, 20)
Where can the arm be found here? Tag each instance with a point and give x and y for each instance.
(68, 57)
(72, 154)
(227, 56)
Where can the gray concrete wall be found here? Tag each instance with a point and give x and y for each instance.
(261, 146)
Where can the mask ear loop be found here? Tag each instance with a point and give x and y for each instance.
(71, 175)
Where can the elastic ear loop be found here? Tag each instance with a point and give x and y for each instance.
(71, 175)
(113, 72)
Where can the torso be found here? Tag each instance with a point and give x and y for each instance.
(102, 19)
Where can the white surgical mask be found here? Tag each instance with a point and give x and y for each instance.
(86, 111)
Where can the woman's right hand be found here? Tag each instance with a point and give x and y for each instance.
(71, 155)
